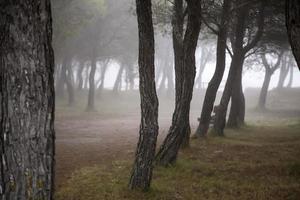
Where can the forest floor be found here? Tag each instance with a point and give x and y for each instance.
(95, 151)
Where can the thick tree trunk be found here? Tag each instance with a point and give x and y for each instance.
(179, 131)
(237, 109)
(26, 101)
(293, 26)
(91, 95)
(142, 169)
(213, 86)
(235, 70)
(264, 91)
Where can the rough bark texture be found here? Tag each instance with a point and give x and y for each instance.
(142, 169)
(26, 100)
(213, 86)
(179, 131)
(293, 26)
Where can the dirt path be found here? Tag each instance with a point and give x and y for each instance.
(82, 142)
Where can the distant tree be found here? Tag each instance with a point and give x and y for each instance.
(269, 71)
(27, 100)
(284, 69)
(293, 26)
(184, 52)
(143, 165)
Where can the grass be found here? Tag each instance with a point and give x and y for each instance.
(251, 163)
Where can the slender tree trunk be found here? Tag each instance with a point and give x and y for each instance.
(283, 73)
(91, 95)
(142, 169)
(79, 76)
(26, 101)
(179, 131)
(69, 83)
(264, 91)
(293, 26)
(237, 112)
(60, 87)
(290, 83)
(214, 83)
(118, 82)
(237, 60)
(102, 77)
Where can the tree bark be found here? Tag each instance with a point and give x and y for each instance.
(213, 86)
(293, 26)
(142, 169)
(237, 111)
(179, 131)
(236, 63)
(26, 100)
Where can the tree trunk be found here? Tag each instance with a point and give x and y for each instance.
(237, 110)
(91, 95)
(142, 169)
(179, 131)
(102, 77)
(69, 83)
(79, 76)
(118, 82)
(26, 101)
(283, 73)
(293, 26)
(264, 91)
(290, 83)
(60, 86)
(236, 63)
(214, 83)
(86, 78)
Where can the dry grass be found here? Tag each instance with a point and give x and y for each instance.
(251, 163)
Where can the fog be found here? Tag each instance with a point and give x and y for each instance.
(98, 101)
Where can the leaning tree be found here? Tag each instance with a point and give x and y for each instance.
(184, 45)
(26, 100)
(143, 165)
